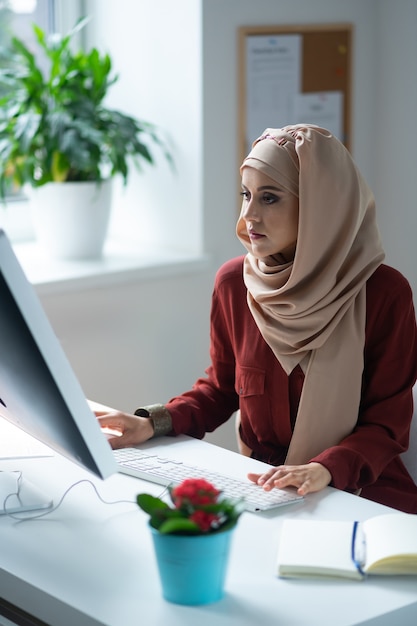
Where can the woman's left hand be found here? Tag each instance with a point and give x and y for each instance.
(306, 478)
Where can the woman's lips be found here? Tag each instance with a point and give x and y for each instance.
(254, 235)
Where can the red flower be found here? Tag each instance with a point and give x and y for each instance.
(194, 492)
(204, 520)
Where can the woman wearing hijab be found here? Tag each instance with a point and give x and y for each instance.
(313, 338)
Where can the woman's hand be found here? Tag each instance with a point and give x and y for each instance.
(306, 478)
(124, 430)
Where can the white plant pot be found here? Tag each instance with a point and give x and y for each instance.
(71, 219)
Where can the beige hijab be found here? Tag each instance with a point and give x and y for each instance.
(312, 311)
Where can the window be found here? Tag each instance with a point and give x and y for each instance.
(159, 214)
(17, 18)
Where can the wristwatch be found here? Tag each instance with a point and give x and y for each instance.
(160, 416)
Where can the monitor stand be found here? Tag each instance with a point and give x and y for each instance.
(18, 494)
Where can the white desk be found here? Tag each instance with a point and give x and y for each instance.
(90, 564)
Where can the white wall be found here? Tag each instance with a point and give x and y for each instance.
(143, 341)
(394, 141)
(220, 22)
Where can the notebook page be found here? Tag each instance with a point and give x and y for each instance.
(391, 540)
(316, 548)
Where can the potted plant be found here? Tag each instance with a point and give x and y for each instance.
(191, 537)
(56, 133)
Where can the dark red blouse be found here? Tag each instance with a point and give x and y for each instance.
(245, 374)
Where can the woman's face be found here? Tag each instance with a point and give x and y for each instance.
(270, 213)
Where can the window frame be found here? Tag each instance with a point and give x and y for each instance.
(53, 16)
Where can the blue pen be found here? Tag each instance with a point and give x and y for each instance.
(358, 548)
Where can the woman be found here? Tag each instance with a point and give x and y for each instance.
(312, 337)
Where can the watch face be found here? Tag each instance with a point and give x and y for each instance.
(142, 413)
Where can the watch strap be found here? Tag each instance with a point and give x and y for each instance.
(160, 416)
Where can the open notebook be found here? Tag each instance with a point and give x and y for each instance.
(384, 544)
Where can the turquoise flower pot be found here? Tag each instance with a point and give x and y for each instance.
(192, 569)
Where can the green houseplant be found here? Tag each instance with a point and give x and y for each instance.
(54, 125)
(191, 538)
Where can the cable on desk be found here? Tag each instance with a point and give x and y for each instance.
(54, 508)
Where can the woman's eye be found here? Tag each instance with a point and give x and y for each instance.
(245, 195)
(270, 198)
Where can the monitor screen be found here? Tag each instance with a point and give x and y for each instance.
(39, 392)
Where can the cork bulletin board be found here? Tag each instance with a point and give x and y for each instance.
(294, 74)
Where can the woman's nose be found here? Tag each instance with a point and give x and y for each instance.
(250, 212)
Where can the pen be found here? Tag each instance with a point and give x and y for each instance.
(358, 548)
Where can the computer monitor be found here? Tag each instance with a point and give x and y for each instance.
(39, 391)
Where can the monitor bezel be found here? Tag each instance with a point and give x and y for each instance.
(84, 425)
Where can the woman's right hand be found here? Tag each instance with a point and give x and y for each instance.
(124, 430)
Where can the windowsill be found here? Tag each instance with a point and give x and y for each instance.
(120, 263)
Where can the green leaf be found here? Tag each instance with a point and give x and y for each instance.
(26, 128)
(179, 525)
(40, 35)
(150, 504)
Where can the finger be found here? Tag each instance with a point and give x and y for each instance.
(261, 479)
(304, 488)
(254, 477)
(117, 442)
(110, 421)
(288, 479)
(110, 432)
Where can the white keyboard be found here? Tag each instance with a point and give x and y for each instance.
(166, 471)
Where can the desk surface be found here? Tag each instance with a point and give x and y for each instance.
(90, 563)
